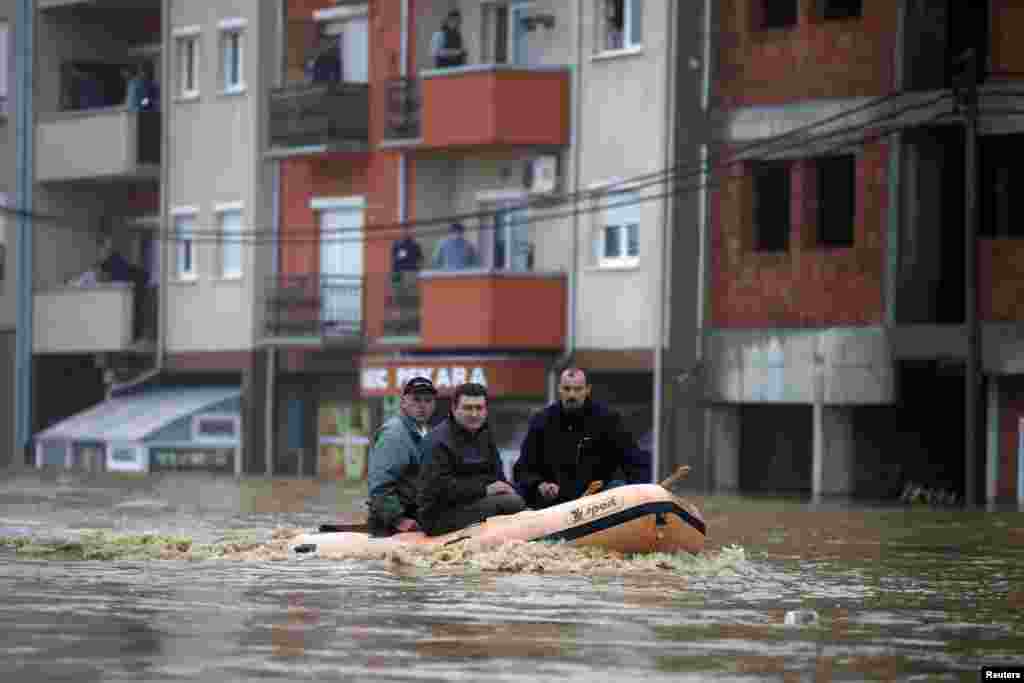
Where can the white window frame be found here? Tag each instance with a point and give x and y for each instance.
(199, 437)
(5, 65)
(222, 210)
(628, 44)
(185, 36)
(227, 30)
(183, 246)
(624, 208)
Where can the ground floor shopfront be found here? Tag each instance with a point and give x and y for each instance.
(328, 407)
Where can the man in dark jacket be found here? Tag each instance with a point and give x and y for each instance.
(463, 482)
(572, 443)
(396, 458)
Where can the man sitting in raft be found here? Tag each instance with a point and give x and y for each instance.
(395, 460)
(573, 442)
(462, 481)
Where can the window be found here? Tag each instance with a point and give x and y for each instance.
(617, 239)
(4, 216)
(215, 427)
(778, 13)
(230, 242)
(185, 257)
(188, 64)
(5, 65)
(231, 55)
(837, 200)
(495, 33)
(215, 459)
(771, 205)
(1002, 181)
(840, 9)
(621, 24)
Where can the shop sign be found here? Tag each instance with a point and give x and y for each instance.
(391, 380)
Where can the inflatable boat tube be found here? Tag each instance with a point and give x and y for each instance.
(639, 518)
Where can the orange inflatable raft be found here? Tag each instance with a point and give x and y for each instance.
(639, 518)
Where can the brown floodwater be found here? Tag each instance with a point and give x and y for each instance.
(188, 578)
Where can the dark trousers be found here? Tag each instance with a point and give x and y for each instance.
(477, 511)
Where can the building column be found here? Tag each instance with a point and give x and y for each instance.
(992, 440)
(724, 446)
(254, 406)
(834, 450)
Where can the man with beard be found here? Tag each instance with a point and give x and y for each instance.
(463, 481)
(571, 443)
(396, 459)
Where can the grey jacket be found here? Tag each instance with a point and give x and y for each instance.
(455, 253)
(393, 477)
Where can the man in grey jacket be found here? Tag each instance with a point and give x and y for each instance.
(395, 461)
(455, 252)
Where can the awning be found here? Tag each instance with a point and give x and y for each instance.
(133, 417)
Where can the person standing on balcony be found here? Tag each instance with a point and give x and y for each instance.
(573, 442)
(446, 44)
(396, 458)
(325, 67)
(406, 260)
(455, 252)
(463, 481)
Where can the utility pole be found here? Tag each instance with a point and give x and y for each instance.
(966, 94)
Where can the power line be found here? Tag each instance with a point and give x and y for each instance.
(316, 238)
(632, 184)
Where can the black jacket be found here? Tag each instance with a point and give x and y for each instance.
(458, 466)
(573, 451)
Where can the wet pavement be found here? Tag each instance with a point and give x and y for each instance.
(787, 591)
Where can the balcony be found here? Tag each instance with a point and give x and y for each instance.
(314, 308)
(477, 310)
(489, 106)
(324, 116)
(111, 143)
(96, 319)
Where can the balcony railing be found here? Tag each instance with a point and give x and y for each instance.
(313, 114)
(110, 142)
(99, 318)
(403, 109)
(328, 307)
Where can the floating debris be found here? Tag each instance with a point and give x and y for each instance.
(801, 617)
(512, 557)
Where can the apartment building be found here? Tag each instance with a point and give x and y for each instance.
(261, 196)
(555, 101)
(838, 329)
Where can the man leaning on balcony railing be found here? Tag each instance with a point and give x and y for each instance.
(446, 44)
(455, 252)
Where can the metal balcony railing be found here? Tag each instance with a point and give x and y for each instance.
(319, 113)
(403, 109)
(315, 305)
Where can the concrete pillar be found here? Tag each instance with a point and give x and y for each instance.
(837, 450)
(254, 386)
(724, 446)
(992, 440)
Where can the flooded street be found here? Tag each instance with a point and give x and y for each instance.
(786, 592)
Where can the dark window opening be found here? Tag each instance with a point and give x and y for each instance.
(837, 200)
(772, 206)
(841, 9)
(778, 13)
(3, 265)
(1002, 182)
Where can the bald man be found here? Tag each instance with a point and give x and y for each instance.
(573, 442)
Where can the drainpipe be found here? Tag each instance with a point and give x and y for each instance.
(25, 161)
(163, 243)
(574, 142)
(403, 72)
(668, 215)
(703, 269)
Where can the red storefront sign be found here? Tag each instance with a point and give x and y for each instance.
(502, 377)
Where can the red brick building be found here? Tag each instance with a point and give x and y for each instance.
(836, 334)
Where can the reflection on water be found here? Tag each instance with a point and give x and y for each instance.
(897, 594)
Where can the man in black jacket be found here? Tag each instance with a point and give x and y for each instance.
(572, 443)
(462, 481)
